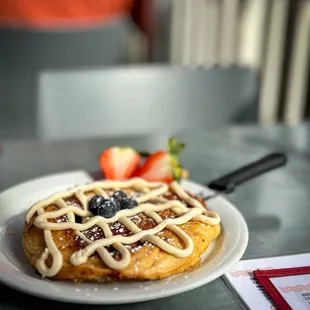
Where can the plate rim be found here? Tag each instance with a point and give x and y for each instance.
(235, 255)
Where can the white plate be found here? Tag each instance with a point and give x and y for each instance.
(16, 272)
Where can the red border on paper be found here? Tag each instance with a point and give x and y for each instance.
(263, 277)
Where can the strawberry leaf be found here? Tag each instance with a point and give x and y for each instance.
(175, 147)
(177, 173)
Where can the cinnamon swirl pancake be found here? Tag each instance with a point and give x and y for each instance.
(118, 230)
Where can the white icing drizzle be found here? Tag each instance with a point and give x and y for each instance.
(151, 191)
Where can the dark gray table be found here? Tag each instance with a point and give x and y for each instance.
(275, 206)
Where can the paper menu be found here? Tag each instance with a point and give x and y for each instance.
(241, 279)
(295, 290)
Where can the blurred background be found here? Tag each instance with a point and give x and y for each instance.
(87, 68)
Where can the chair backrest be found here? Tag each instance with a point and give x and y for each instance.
(121, 101)
(63, 48)
(25, 53)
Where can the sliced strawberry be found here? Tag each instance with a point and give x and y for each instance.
(119, 163)
(163, 166)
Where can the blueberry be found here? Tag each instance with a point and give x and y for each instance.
(117, 203)
(108, 208)
(119, 195)
(123, 203)
(95, 203)
(128, 203)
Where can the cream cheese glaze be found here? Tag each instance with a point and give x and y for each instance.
(151, 191)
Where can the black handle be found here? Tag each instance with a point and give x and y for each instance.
(228, 182)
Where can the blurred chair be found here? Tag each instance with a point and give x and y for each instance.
(29, 49)
(25, 53)
(137, 100)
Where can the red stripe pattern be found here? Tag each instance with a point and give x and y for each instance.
(296, 288)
